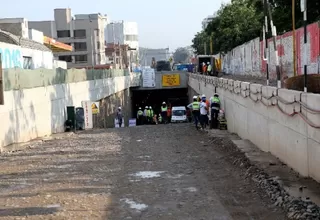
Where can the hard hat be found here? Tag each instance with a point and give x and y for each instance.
(139, 107)
(163, 103)
(216, 94)
(208, 63)
(119, 107)
(203, 96)
(194, 97)
(150, 107)
(146, 107)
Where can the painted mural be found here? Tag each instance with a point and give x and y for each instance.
(11, 56)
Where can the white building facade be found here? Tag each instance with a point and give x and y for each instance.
(124, 33)
(84, 32)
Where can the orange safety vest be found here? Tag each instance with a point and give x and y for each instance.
(169, 112)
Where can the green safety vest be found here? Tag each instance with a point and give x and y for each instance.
(209, 68)
(160, 118)
(164, 109)
(151, 113)
(148, 113)
(140, 112)
(215, 100)
(196, 106)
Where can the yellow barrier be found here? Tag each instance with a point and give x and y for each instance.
(169, 80)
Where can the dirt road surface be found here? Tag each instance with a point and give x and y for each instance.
(148, 172)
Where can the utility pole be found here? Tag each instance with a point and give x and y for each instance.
(265, 37)
(274, 37)
(303, 4)
(294, 38)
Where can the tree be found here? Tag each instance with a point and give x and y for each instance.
(181, 55)
(235, 24)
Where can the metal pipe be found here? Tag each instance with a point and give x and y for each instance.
(304, 10)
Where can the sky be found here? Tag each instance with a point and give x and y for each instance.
(161, 24)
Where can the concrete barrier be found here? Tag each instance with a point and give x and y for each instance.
(35, 112)
(283, 122)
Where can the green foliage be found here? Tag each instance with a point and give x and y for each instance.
(241, 21)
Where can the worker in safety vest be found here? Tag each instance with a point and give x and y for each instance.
(215, 109)
(145, 115)
(164, 112)
(151, 114)
(209, 68)
(148, 115)
(195, 106)
(140, 116)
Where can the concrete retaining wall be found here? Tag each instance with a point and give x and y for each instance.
(40, 111)
(283, 122)
(247, 59)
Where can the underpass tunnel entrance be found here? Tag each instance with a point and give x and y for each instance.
(154, 98)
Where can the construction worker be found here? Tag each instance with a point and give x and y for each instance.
(209, 68)
(207, 103)
(164, 112)
(145, 112)
(148, 115)
(203, 114)
(140, 116)
(195, 106)
(169, 114)
(160, 119)
(215, 109)
(119, 116)
(151, 114)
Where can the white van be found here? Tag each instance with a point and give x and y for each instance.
(179, 114)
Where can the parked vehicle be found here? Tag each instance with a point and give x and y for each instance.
(179, 114)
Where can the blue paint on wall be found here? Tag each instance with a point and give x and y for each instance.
(11, 57)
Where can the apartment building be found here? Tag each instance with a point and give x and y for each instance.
(84, 32)
(123, 33)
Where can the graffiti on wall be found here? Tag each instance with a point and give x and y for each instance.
(11, 57)
(248, 58)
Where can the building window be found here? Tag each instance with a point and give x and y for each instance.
(1, 85)
(97, 32)
(65, 58)
(99, 58)
(82, 46)
(79, 33)
(81, 58)
(64, 33)
(98, 45)
(27, 63)
(131, 37)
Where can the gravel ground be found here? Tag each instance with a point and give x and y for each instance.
(148, 172)
(251, 79)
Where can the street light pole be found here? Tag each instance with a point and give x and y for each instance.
(303, 4)
(265, 36)
(294, 37)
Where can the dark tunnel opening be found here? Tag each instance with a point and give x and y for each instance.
(154, 98)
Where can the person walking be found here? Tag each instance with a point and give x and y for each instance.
(119, 116)
(215, 109)
(195, 106)
(209, 68)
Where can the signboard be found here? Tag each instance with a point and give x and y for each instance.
(88, 123)
(95, 108)
(148, 78)
(116, 123)
(132, 122)
(169, 80)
